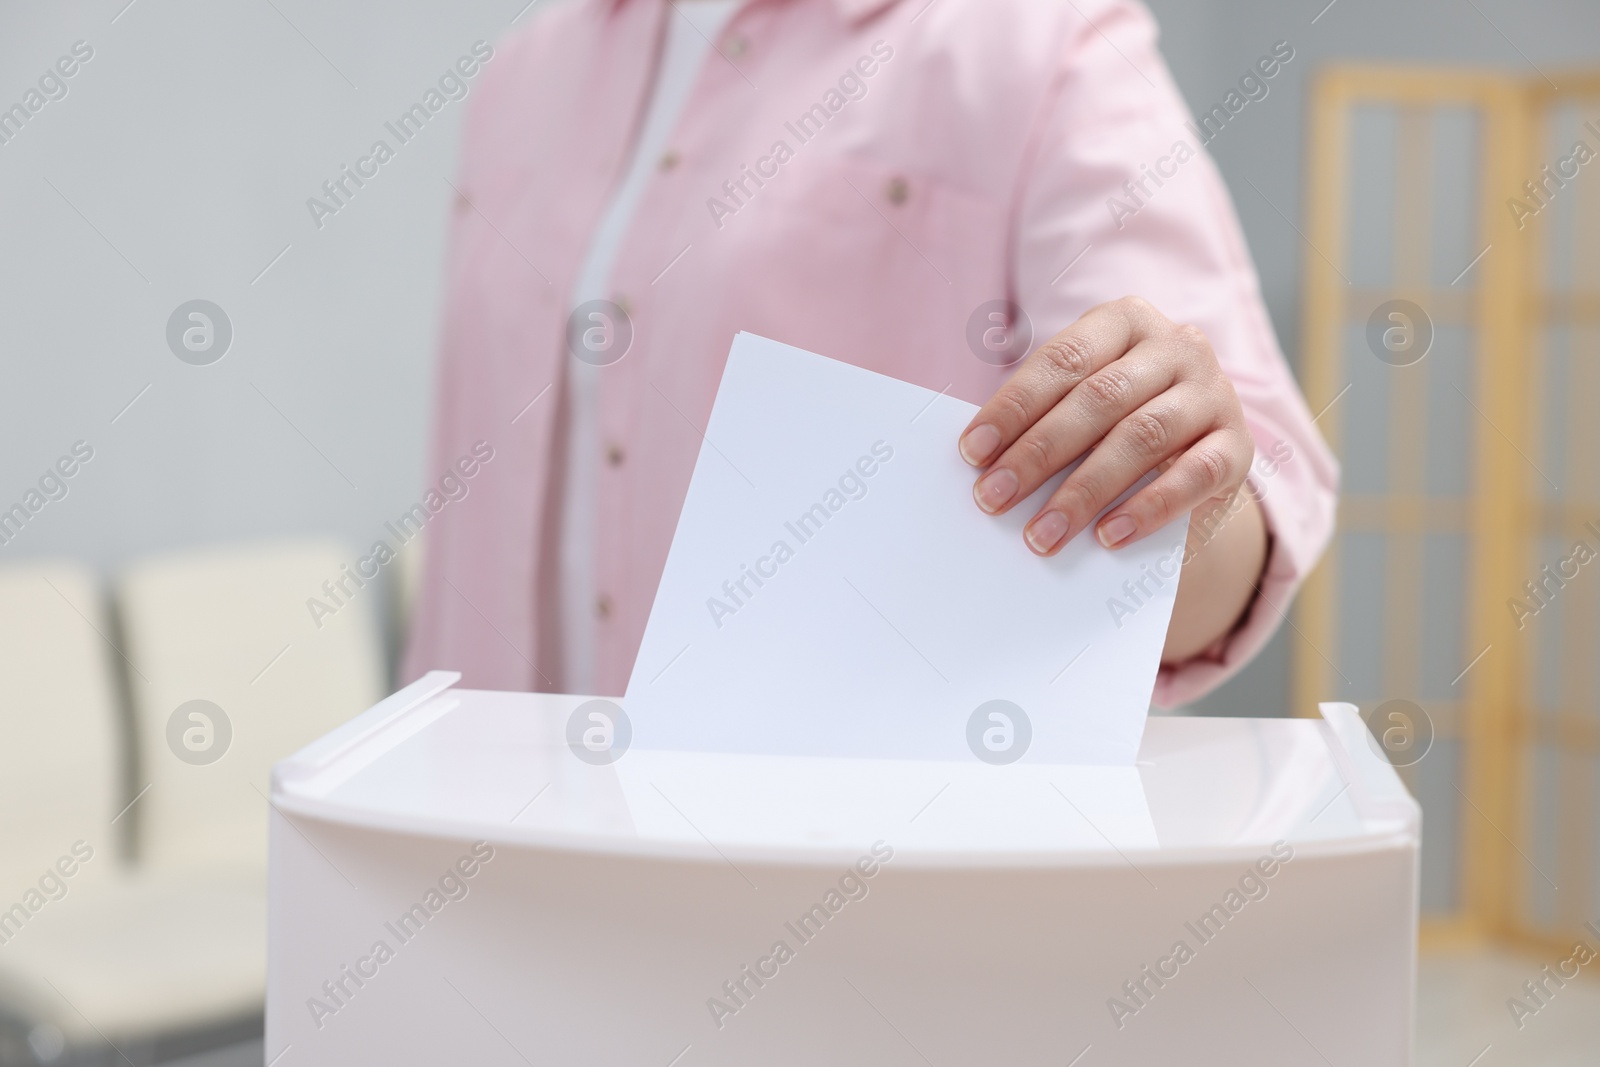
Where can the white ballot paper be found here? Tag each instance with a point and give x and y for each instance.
(833, 590)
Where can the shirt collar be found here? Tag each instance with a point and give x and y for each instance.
(852, 10)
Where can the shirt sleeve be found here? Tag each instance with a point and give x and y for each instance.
(1120, 198)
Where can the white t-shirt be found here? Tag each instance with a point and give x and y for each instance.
(690, 30)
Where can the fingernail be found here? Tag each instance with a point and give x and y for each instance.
(995, 489)
(1115, 530)
(979, 443)
(1046, 531)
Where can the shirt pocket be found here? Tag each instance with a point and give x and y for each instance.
(862, 260)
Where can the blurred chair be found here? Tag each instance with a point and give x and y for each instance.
(166, 955)
(1452, 342)
(60, 779)
(87, 946)
(279, 640)
(402, 589)
(60, 772)
(152, 964)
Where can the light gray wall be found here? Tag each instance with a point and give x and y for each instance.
(178, 166)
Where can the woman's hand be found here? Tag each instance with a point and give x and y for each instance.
(1144, 393)
(1140, 390)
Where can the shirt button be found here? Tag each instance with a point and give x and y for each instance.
(669, 159)
(602, 607)
(898, 191)
(736, 46)
(614, 455)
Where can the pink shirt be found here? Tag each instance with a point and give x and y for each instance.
(855, 177)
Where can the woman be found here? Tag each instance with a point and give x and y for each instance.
(911, 186)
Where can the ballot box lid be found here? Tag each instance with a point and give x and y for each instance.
(438, 761)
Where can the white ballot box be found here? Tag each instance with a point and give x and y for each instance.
(454, 881)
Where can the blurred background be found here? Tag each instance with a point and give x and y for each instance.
(177, 512)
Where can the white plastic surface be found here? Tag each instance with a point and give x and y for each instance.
(476, 764)
(604, 913)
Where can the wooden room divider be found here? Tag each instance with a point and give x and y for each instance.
(1452, 349)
